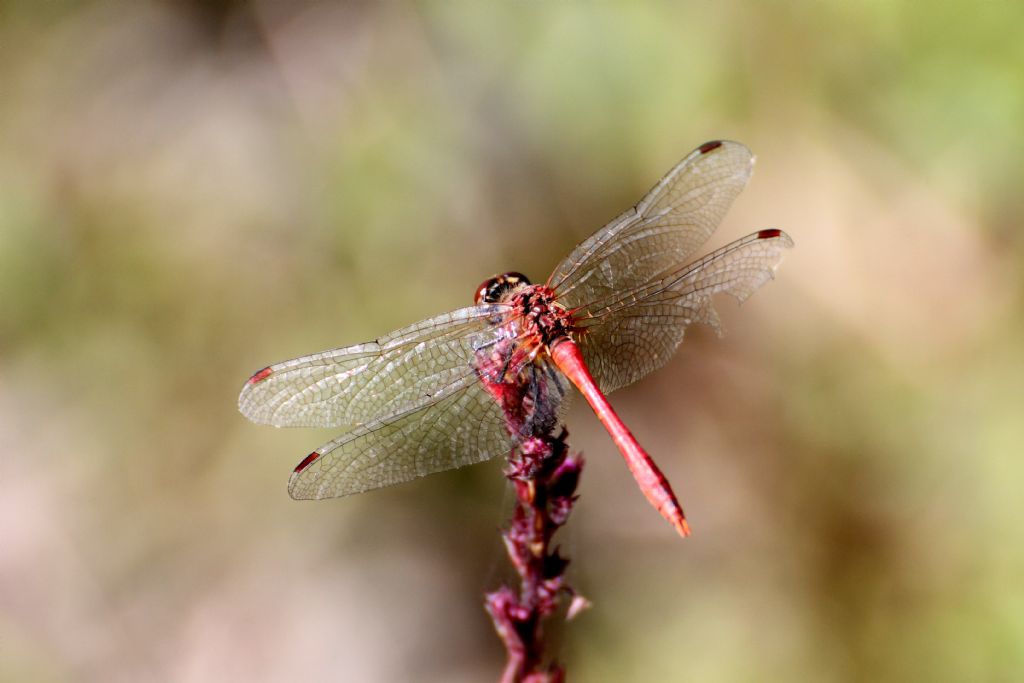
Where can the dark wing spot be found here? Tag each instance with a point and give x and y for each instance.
(709, 146)
(261, 375)
(306, 462)
(768, 234)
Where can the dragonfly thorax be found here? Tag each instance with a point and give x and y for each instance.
(543, 319)
(539, 318)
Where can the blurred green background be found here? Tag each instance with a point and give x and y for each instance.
(191, 190)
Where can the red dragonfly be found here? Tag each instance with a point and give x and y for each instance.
(422, 399)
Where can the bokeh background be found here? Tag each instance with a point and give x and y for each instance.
(191, 190)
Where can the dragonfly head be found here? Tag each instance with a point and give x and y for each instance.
(497, 288)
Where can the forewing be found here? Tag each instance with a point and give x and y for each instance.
(356, 384)
(632, 333)
(660, 233)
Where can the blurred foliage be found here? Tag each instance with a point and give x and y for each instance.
(189, 190)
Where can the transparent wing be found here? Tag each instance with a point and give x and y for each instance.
(661, 232)
(462, 426)
(628, 334)
(356, 384)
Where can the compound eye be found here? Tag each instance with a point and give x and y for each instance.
(513, 279)
(491, 291)
(485, 291)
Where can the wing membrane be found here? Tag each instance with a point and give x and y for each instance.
(630, 334)
(463, 425)
(356, 384)
(662, 231)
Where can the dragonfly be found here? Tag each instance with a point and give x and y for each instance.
(425, 398)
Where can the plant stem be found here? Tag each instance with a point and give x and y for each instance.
(544, 477)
